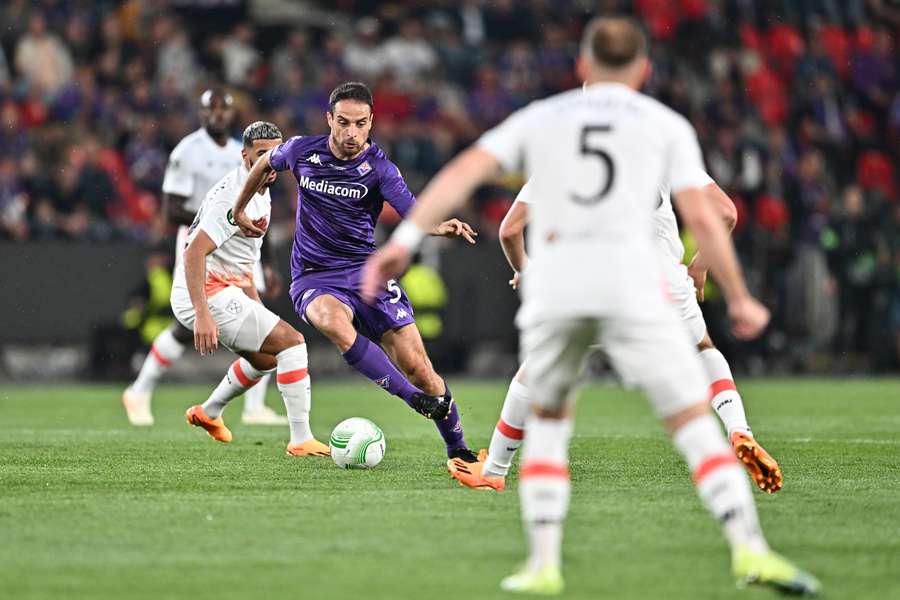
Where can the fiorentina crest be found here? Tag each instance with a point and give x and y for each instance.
(364, 168)
(384, 382)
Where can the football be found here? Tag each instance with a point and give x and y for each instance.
(357, 443)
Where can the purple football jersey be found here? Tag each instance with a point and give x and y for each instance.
(338, 202)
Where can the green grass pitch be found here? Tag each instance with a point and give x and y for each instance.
(92, 508)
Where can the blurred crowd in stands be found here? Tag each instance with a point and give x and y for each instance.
(797, 104)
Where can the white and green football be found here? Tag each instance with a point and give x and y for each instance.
(357, 443)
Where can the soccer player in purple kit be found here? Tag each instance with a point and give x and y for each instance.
(343, 181)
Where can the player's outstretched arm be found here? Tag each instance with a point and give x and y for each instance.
(261, 171)
(206, 334)
(512, 239)
(699, 268)
(699, 216)
(447, 192)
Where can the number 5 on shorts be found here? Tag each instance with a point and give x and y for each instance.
(393, 288)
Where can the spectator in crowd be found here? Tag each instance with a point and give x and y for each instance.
(13, 202)
(239, 56)
(176, 61)
(44, 62)
(364, 58)
(408, 54)
(851, 244)
(294, 53)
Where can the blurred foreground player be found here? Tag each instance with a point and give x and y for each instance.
(213, 295)
(343, 180)
(198, 161)
(681, 282)
(596, 159)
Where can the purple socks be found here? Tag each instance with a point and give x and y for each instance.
(370, 360)
(452, 431)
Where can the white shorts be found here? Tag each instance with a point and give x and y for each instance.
(654, 355)
(683, 297)
(244, 324)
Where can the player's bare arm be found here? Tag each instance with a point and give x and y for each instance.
(206, 333)
(260, 174)
(447, 192)
(175, 211)
(699, 268)
(512, 240)
(699, 215)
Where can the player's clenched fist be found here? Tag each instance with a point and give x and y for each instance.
(748, 317)
(206, 334)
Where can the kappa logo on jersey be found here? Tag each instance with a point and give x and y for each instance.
(401, 313)
(384, 382)
(314, 159)
(364, 168)
(344, 189)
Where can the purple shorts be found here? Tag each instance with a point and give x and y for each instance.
(390, 310)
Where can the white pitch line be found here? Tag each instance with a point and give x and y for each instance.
(807, 440)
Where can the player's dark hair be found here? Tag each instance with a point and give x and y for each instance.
(351, 90)
(615, 42)
(260, 130)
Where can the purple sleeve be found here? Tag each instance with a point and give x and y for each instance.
(394, 189)
(285, 155)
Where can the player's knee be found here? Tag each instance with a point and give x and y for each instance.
(293, 338)
(262, 362)
(520, 375)
(288, 337)
(282, 337)
(557, 412)
(705, 344)
(329, 321)
(182, 334)
(419, 371)
(676, 421)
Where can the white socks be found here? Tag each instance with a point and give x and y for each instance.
(725, 399)
(240, 377)
(509, 431)
(721, 481)
(255, 397)
(544, 488)
(164, 351)
(294, 385)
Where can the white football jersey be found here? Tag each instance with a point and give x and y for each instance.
(196, 164)
(233, 260)
(668, 240)
(596, 160)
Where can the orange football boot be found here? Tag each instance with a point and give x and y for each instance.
(762, 467)
(311, 447)
(197, 417)
(471, 475)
